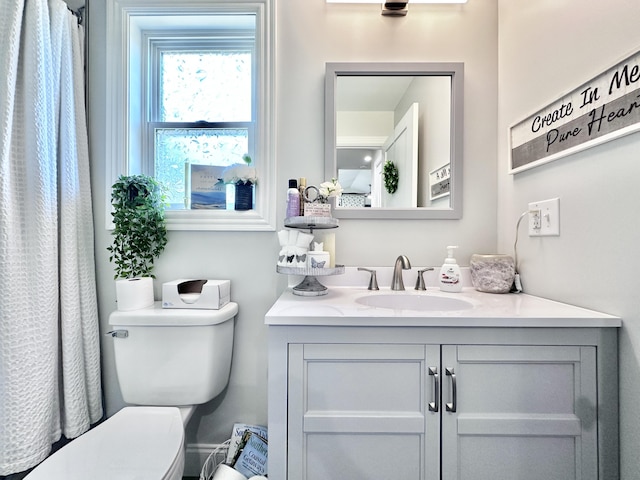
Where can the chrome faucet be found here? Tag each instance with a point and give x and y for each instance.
(402, 263)
(373, 281)
(420, 280)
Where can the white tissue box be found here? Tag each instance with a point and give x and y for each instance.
(188, 293)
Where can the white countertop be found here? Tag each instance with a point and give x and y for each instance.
(339, 308)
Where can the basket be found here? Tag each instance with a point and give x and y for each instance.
(218, 456)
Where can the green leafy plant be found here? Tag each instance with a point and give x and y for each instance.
(390, 174)
(140, 233)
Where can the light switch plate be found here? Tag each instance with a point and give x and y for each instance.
(544, 218)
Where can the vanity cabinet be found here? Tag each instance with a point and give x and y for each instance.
(399, 411)
(358, 399)
(525, 412)
(359, 412)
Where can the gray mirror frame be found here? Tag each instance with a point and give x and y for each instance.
(456, 72)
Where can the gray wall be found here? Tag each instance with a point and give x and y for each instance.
(547, 49)
(310, 33)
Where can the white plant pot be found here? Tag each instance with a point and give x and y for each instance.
(134, 293)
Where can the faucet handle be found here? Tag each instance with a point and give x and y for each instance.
(373, 282)
(420, 280)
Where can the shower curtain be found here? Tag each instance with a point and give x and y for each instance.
(49, 337)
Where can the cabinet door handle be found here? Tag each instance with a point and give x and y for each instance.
(435, 405)
(451, 407)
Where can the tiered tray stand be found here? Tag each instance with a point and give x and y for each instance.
(310, 286)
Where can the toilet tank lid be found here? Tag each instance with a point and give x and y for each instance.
(158, 316)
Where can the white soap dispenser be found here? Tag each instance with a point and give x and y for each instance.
(450, 278)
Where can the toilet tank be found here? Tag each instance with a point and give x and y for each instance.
(172, 357)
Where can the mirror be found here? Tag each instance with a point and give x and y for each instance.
(395, 122)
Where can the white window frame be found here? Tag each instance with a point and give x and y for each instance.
(187, 41)
(127, 23)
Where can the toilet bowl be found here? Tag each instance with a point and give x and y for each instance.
(167, 362)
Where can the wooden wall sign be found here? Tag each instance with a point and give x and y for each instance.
(440, 182)
(600, 110)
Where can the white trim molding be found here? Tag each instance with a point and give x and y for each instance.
(126, 20)
(195, 456)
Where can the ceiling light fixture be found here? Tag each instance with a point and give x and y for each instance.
(412, 1)
(397, 8)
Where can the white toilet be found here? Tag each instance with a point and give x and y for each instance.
(167, 361)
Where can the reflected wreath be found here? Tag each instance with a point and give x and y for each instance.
(390, 175)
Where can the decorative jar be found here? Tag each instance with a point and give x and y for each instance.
(244, 196)
(492, 273)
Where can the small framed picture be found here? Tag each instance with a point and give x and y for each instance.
(207, 189)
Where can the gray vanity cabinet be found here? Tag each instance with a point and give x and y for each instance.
(359, 412)
(520, 412)
(407, 403)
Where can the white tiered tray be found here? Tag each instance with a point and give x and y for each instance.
(310, 286)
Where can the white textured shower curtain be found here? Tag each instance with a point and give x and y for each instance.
(49, 338)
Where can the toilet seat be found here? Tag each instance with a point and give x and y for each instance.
(137, 443)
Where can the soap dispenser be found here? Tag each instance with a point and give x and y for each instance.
(450, 279)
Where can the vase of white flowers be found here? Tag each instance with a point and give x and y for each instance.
(325, 200)
(244, 177)
(330, 190)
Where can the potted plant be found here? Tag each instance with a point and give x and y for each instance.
(243, 176)
(139, 236)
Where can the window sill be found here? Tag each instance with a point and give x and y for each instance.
(205, 220)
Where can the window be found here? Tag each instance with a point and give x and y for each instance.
(200, 94)
(194, 83)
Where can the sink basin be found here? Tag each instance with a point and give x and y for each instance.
(407, 301)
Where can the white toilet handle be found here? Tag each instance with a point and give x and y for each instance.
(118, 333)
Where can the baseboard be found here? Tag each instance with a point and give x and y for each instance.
(195, 456)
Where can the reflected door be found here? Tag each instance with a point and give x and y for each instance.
(376, 184)
(402, 150)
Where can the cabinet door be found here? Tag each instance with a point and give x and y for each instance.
(521, 412)
(360, 412)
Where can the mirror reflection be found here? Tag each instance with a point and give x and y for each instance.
(400, 122)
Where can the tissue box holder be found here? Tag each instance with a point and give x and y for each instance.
(189, 293)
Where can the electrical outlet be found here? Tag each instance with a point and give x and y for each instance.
(544, 218)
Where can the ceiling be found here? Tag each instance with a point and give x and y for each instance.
(370, 93)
